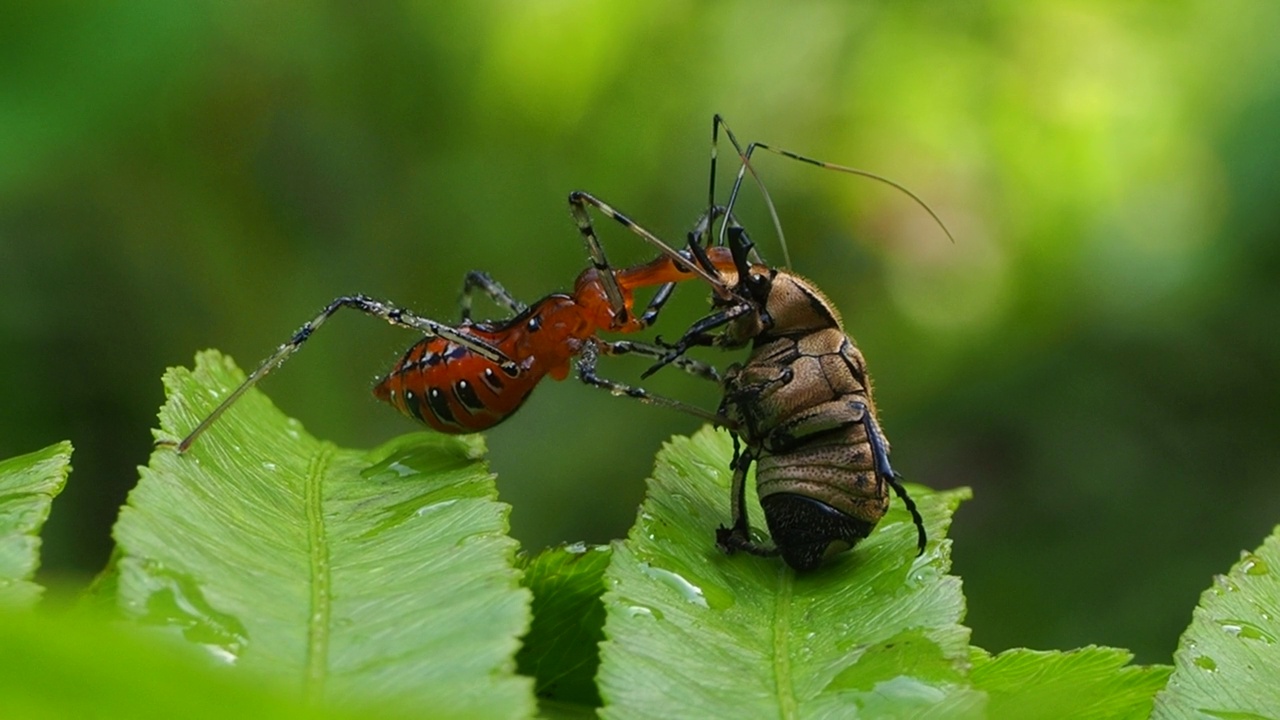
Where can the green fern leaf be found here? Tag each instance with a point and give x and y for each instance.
(694, 633)
(28, 485)
(346, 574)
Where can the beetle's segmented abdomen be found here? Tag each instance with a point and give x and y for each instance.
(452, 389)
(836, 468)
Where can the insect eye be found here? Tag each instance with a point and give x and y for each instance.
(759, 286)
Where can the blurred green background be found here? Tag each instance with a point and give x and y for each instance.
(1097, 355)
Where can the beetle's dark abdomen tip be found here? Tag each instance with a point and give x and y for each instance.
(804, 529)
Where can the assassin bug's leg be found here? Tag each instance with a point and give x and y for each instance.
(376, 308)
(587, 373)
(749, 296)
(578, 202)
(689, 365)
(697, 238)
(492, 288)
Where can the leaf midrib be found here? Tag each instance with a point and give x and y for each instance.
(318, 554)
(782, 675)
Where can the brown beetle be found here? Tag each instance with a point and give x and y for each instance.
(800, 408)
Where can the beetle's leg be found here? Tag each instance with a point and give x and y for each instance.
(823, 419)
(881, 457)
(737, 537)
(699, 335)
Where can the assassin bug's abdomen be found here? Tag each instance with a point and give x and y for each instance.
(456, 390)
(452, 389)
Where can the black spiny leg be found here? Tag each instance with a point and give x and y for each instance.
(884, 470)
(921, 536)
(699, 334)
(737, 537)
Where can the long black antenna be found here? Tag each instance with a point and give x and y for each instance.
(746, 167)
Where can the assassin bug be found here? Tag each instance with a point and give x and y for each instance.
(800, 406)
(471, 376)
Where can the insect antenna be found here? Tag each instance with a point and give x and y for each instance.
(746, 166)
(744, 156)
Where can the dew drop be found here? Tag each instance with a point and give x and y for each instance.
(427, 509)
(1222, 582)
(221, 654)
(177, 601)
(1253, 565)
(690, 592)
(1246, 630)
(642, 611)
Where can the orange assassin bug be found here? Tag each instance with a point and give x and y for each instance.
(471, 376)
